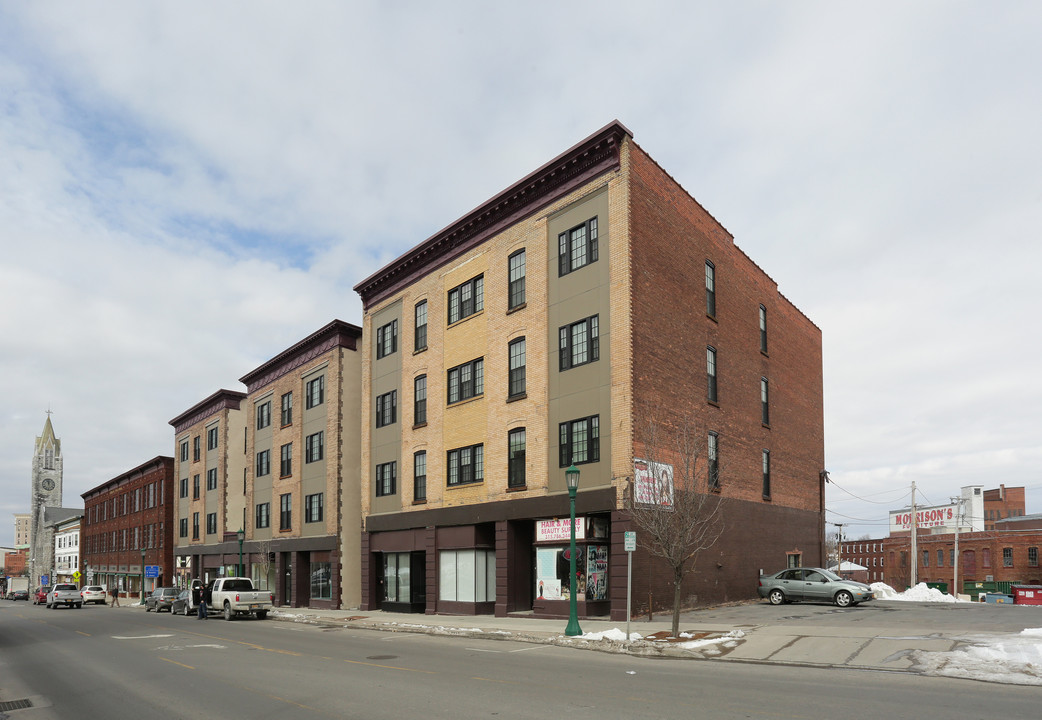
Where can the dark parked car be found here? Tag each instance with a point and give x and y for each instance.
(161, 599)
(814, 585)
(182, 605)
(20, 595)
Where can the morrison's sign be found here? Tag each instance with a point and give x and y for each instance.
(928, 517)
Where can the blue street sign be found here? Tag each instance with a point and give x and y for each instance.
(45, 579)
(151, 571)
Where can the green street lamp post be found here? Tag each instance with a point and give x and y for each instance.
(242, 536)
(572, 477)
(142, 577)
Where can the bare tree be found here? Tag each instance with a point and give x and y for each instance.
(265, 549)
(672, 499)
(832, 540)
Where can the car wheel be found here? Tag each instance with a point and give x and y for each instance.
(844, 599)
(228, 614)
(777, 597)
(147, 608)
(79, 606)
(261, 614)
(187, 614)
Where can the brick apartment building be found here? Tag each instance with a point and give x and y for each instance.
(280, 462)
(125, 527)
(534, 334)
(1001, 503)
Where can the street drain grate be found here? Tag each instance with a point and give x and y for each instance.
(15, 705)
(382, 657)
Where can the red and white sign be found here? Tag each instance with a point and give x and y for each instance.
(652, 483)
(925, 517)
(556, 530)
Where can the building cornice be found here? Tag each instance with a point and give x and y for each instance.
(597, 154)
(336, 334)
(220, 400)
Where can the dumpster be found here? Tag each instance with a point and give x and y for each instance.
(1027, 594)
(942, 586)
(998, 598)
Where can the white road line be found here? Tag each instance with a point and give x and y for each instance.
(139, 637)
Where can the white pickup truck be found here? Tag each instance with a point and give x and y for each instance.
(64, 594)
(236, 596)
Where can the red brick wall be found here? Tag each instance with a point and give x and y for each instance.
(976, 543)
(672, 237)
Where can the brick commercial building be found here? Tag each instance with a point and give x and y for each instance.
(535, 334)
(125, 528)
(279, 462)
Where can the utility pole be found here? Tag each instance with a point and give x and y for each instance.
(915, 528)
(955, 559)
(839, 548)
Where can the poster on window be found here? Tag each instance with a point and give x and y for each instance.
(652, 483)
(597, 572)
(547, 584)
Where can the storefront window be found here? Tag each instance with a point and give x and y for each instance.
(467, 575)
(553, 568)
(321, 581)
(396, 577)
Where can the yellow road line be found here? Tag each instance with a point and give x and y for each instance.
(390, 667)
(177, 663)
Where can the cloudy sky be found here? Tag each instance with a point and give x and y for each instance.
(188, 188)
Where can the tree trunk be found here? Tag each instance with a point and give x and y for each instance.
(678, 578)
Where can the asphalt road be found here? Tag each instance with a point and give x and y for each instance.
(101, 663)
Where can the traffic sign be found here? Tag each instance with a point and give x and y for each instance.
(631, 541)
(151, 571)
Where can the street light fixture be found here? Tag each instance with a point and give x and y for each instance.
(142, 577)
(242, 536)
(572, 478)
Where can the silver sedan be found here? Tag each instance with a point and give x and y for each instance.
(814, 585)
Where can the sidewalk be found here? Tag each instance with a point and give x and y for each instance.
(862, 647)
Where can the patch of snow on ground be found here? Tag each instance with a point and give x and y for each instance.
(728, 638)
(920, 593)
(1012, 659)
(613, 634)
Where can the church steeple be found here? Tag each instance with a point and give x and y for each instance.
(48, 446)
(46, 492)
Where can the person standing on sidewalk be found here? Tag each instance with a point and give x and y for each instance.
(199, 598)
(115, 595)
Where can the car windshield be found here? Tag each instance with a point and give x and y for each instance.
(831, 575)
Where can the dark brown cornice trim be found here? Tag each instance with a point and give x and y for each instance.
(160, 463)
(597, 154)
(336, 334)
(220, 400)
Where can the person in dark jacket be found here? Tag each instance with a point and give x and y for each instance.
(199, 598)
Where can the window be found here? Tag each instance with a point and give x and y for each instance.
(263, 463)
(579, 343)
(710, 289)
(516, 458)
(763, 329)
(182, 527)
(1033, 556)
(321, 581)
(385, 479)
(711, 373)
(467, 575)
(195, 528)
(264, 415)
(580, 441)
(516, 383)
(419, 399)
(765, 415)
(986, 557)
(314, 447)
(263, 515)
(951, 557)
(420, 336)
(184, 451)
(516, 293)
(313, 508)
(713, 457)
(195, 490)
(211, 438)
(286, 462)
(467, 299)
(467, 380)
(926, 558)
(577, 247)
(287, 409)
(419, 475)
(211, 479)
(387, 339)
(1007, 557)
(766, 473)
(387, 409)
(184, 488)
(940, 558)
(211, 523)
(466, 465)
(195, 449)
(286, 511)
(316, 392)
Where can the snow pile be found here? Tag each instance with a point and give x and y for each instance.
(1012, 659)
(920, 593)
(613, 634)
(727, 640)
